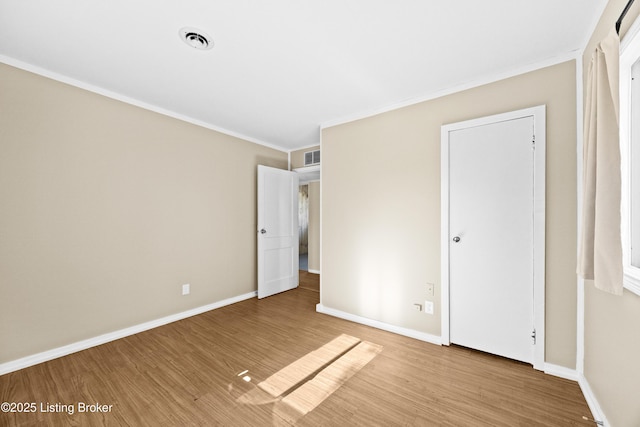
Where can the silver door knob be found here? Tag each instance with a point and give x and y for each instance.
(263, 231)
(456, 239)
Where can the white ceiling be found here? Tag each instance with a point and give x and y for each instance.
(281, 68)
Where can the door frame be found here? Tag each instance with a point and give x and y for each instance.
(539, 122)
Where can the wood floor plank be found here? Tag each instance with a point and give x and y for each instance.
(186, 373)
(309, 281)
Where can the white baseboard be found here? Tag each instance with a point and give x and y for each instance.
(594, 406)
(45, 356)
(561, 372)
(314, 271)
(411, 333)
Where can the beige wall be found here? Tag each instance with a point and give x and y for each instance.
(612, 335)
(297, 157)
(107, 209)
(314, 226)
(381, 217)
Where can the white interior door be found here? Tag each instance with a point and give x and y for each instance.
(277, 231)
(491, 239)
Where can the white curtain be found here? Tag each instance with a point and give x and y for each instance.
(600, 255)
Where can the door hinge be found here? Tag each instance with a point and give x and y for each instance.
(533, 142)
(533, 335)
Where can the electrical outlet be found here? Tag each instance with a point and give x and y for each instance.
(430, 289)
(428, 307)
(186, 289)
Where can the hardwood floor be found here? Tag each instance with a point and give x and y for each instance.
(309, 281)
(205, 370)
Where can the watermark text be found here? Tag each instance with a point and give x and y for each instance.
(55, 407)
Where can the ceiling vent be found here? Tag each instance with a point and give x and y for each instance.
(195, 38)
(312, 158)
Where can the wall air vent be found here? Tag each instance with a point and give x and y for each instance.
(312, 158)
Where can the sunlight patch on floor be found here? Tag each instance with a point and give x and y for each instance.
(312, 393)
(288, 377)
(300, 387)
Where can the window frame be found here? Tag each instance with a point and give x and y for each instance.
(629, 55)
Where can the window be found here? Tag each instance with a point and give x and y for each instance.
(630, 156)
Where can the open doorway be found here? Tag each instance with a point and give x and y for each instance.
(309, 225)
(309, 235)
(309, 220)
(303, 226)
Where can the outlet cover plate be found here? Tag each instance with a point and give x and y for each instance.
(186, 289)
(428, 307)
